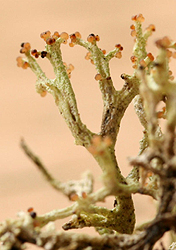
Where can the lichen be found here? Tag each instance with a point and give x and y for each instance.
(153, 171)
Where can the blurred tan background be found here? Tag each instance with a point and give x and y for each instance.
(25, 114)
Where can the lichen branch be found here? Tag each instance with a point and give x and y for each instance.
(154, 169)
(70, 188)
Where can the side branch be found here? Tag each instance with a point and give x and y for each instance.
(15, 233)
(62, 92)
(114, 111)
(71, 188)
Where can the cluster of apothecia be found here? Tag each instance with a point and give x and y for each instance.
(92, 38)
(32, 213)
(166, 43)
(139, 18)
(151, 28)
(143, 62)
(136, 18)
(25, 48)
(48, 38)
(118, 54)
(51, 39)
(74, 196)
(73, 38)
(21, 63)
(36, 53)
(162, 113)
(69, 69)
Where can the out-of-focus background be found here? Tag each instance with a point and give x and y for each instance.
(23, 113)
